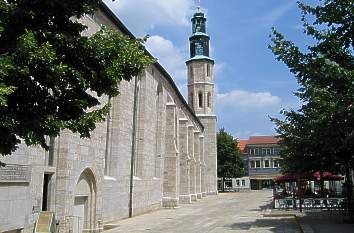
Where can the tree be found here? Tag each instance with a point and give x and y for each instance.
(230, 163)
(51, 77)
(321, 132)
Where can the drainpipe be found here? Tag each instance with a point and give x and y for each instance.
(132, 160)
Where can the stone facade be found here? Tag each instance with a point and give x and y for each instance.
(87, 182)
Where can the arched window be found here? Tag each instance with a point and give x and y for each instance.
(209, 99)
(200, 99)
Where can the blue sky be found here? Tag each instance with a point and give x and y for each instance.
(251, 85)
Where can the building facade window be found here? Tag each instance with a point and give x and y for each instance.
(243, 183)
(276, 163)
(237, 183)
(266, 151)
(254, 151)
(276, 151)
(266, 163)
(252, 164)
(200, 99)
(258, 163)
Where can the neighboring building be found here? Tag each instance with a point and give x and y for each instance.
(86, 182)
(261, 156)
(241, 145)
(241, 184)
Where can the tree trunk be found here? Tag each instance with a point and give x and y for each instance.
(349, 186)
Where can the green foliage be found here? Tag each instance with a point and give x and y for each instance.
(320, 135)
(53, 78)
(230, 164)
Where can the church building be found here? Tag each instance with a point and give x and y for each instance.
(154, 150)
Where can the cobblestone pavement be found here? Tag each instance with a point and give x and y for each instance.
(231, 212)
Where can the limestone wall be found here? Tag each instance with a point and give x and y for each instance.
(170, 159)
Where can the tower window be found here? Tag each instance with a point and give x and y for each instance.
(208, 99)
(200, 98)
(208, 70)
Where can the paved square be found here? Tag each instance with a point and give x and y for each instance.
(230, 212)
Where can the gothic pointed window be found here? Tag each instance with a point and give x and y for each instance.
(200, 99)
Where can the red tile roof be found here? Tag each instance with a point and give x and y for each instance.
(241, 144)
(263, 140)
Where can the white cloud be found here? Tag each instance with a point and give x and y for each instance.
(169, 56)
(245, 113)
(248, 100)
(148, 14)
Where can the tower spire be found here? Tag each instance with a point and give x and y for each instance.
(199, 40)
(198, 4)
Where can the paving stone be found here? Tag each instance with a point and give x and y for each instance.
(231, 212)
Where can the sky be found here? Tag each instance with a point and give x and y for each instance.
(251, 84)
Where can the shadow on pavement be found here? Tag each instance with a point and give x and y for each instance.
(326, 222)
(268, 224)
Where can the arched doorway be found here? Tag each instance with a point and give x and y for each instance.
(85, 203)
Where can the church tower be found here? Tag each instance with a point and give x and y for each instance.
(201, 93)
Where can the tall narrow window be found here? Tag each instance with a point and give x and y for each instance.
(200, 99)
(208, 99)
(158, 130)
(258, 163)
(51, 152)
(208, 70)
(137, 128)
(108, 141)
